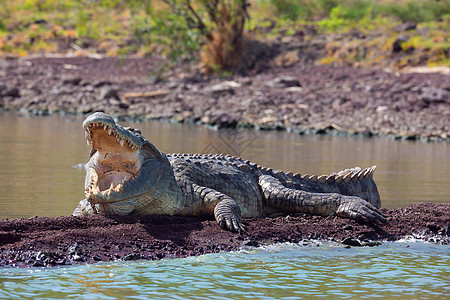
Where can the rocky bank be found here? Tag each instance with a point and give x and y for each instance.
(302, 98)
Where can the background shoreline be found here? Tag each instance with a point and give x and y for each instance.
(305, 99)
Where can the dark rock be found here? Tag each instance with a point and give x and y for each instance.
(284, 82)
(246, 81)
(222, 118)
(433, 227)
(405, 26)
(354, 32)
(71, 80)
(351, 242)
(132, 256)
(432, 94)
(397, 46)
(39, 21)
(100, 83)
(85, 108)
(107, 92)
(118, 103)
(444, 231)
(75, 253)
(226, 87)
(11, 92)
(371, 244)
(44, 259)
(251, 243)
(9, 237)
(348, 227)
(408, 136)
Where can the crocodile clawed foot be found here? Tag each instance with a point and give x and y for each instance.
(228, 215)
(360, 210)
(231, 224)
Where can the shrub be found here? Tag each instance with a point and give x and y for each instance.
(223, 47)
(417, 11)
(340, 16)
(291, 9)
(213, 27)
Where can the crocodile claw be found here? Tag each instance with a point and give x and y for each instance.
(359, 210)
(231, 224)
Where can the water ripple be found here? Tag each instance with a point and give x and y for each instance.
(285, 271)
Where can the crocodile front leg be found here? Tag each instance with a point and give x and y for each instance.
(84, 208)
(228, 214)
(226, 210)
(325, 204)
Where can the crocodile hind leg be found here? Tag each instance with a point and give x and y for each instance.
(325, 204)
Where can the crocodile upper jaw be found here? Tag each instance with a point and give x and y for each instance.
(115, 156)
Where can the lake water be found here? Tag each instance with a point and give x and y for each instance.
(37, 178)
(401, 270)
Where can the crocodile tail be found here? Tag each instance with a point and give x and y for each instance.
(352, 182)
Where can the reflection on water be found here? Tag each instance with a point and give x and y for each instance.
(37, 155)
(412, 270)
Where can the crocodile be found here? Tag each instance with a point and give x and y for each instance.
(126, 174)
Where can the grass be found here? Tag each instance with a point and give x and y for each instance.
(145, 27)
(376, 21)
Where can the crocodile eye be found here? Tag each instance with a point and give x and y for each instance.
(133, 130)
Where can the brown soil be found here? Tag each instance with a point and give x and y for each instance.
(302, 97)
(70, 240)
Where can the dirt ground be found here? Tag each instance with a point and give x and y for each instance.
(67, 240)
(303, 98)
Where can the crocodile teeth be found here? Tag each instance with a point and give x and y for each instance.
(104, 127)
(122, 142)
(118, 188)
(95, 189)
(112, 186)
(110, 131)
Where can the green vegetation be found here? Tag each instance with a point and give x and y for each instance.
(376, 22)
(364, 12)
(196, 29)
(417, 11)
(213, 27)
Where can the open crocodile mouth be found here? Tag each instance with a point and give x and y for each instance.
(114, 157)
